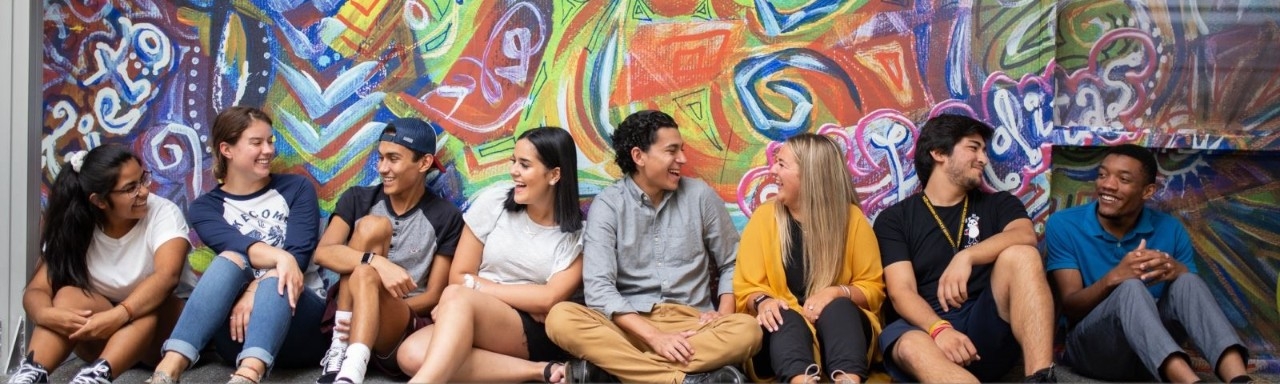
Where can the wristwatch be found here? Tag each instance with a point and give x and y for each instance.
(367, 258)
(469, 281)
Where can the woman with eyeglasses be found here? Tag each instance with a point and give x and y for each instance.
(255, 296)
(112, 256)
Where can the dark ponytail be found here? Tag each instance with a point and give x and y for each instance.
(71, 217)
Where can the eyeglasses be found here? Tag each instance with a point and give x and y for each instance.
(135, 188)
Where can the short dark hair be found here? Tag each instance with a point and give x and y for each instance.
(1140, 153)
(639, 130)
(556, 149)
(941, 133)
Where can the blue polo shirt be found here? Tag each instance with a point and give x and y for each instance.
(1075, 239)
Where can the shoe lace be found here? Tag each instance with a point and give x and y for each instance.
(812, 374)
(27, 374)
(838, 373)
(93, 374)
(332, 361)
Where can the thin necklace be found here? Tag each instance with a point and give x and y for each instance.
(955, 243)
(528, 229)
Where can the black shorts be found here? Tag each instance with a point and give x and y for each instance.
(541, 348)
(978, 319)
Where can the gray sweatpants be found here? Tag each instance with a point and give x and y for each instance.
(1128, 330)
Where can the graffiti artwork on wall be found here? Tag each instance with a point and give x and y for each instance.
(1228, 201)
(738, 76)
(1190, 77)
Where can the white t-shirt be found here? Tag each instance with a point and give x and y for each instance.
(117, 266)
(517, 250)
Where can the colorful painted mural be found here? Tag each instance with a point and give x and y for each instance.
(738, 76)
(1198, 79)
(1230, 202)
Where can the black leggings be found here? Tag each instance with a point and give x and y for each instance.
(843, 334)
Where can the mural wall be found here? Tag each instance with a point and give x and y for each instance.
(738, 76)
(1198, 79)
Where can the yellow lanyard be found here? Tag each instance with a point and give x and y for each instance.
(955, 243)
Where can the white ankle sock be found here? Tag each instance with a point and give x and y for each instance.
(339, 338)
(355, 364)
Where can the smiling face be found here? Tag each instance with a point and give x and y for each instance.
(400, 172)
(252, 153)
(963, 167)
(786, 173)
(535, 183)
(127, 199)
(1121, 187)
(659, 167)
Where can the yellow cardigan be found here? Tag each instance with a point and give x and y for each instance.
(759, 269)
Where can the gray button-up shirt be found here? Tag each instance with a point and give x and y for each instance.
(638, 254)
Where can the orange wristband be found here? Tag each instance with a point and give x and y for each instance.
(936, 324)
(127, 311)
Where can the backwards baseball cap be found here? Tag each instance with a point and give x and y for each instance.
(415, 134)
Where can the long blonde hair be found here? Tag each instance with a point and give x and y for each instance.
(826, 191)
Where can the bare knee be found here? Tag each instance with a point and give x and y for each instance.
(1020, 258)
(456, 294)
(371, 229)
(456, 299)
(363, 277)
(413, 351)
(913, 350)
(75, 298)
(235, 257)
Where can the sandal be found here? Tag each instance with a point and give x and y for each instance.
(161, 378)
(237, 378)
(548, 370)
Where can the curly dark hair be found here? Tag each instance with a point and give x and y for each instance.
(941, 133)
(639, 130)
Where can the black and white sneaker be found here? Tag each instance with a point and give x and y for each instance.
(1045, 375)
(332, 363)
(29, 372)
(99, 372)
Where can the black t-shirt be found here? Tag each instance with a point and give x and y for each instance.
(795, 268)
(907, 231)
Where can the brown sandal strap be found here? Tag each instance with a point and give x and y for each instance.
(258, 375)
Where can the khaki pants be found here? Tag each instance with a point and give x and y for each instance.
(587, 334)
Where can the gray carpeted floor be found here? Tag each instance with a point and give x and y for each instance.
(211, 370)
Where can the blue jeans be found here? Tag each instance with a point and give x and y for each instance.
(207, 313)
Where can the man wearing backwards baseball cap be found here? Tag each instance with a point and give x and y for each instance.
(392, 244)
